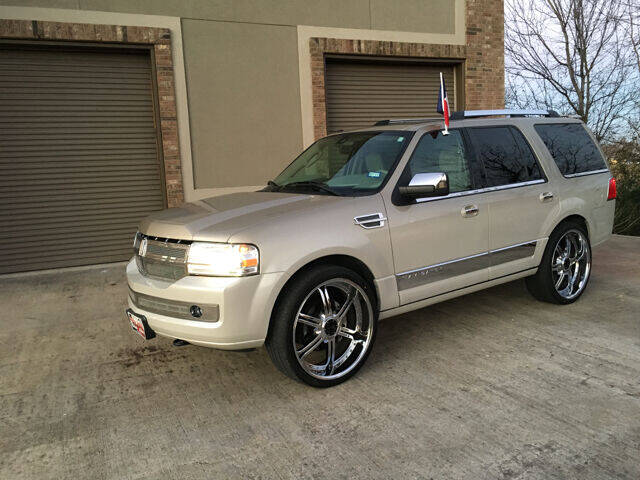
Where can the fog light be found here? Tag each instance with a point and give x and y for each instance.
(195, 311)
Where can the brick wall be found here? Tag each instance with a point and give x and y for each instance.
(484, 66)
(160, 40)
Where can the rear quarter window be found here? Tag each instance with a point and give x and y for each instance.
(571, 147)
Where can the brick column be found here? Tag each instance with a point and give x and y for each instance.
(484, 66)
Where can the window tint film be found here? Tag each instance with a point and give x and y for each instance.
(506, 156)
(442, 153)
(571, 147)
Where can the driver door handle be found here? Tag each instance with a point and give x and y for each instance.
(469, 211)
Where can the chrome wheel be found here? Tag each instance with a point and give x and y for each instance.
(571, 264)
(333, 329)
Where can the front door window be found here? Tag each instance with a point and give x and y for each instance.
(442, 153)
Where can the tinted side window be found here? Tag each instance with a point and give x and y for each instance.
(442, 153)
(505, 154)
(571, 147)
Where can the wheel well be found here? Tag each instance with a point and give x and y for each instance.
(576, 218)
(345, 261)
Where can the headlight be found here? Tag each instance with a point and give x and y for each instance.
(222, 259)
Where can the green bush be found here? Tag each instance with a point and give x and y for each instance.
(624, 160)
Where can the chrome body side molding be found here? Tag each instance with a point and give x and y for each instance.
(591, 172)
(424, 302)
(442, 271)
(483, 190)
(460, 266)
(513, 252)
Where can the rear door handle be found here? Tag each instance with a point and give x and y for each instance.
(469, 211)
(546, 196)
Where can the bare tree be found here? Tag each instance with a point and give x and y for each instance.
(572, 56)
(631, 19)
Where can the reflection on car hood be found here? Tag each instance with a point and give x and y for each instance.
(217, 218)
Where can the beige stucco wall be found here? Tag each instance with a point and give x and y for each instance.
(248, 96)
(432, 16)
(244, 100)
(404, 15)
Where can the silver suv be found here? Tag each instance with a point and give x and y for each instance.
(369, 224)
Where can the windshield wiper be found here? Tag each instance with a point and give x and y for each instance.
(312, 184)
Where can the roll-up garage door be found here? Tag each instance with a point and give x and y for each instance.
(79, 155)
(359, 93)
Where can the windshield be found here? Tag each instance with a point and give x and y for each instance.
(345, 164)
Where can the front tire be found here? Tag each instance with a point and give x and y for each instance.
(324, 326)
(565, 268)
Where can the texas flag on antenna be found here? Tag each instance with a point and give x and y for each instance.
(443, 105)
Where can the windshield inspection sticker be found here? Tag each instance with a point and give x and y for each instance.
(400, 139)
(374, 174)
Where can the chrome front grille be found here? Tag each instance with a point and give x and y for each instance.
(162, 258)
(153, 268)
(166, 251)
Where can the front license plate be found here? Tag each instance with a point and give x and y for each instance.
(139, 325)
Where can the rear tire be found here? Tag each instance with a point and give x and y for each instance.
(324, 326)
(565, 268)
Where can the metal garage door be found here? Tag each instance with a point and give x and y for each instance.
(79, 162)
(360, 93)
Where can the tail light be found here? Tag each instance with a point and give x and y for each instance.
(613, 193)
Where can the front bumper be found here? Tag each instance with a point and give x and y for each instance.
(244, 307)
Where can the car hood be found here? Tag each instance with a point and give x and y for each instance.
(216, 219)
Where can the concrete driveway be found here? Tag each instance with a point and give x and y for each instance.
(491, 385)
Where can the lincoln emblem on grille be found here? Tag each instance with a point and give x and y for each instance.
(143, 247)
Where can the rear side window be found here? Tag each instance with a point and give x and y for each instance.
(442, 153)
(571, 147)
(505, 154)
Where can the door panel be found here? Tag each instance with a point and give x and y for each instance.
(518, 216)
(439, 243)
(518, 196)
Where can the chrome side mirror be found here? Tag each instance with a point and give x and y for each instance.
(426, 185)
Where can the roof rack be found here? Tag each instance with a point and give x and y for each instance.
(400, 121)
(461, 115)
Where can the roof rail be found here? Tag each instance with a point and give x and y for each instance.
(461, 115)
(400, 121)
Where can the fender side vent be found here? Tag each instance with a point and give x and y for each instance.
(373, 220)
